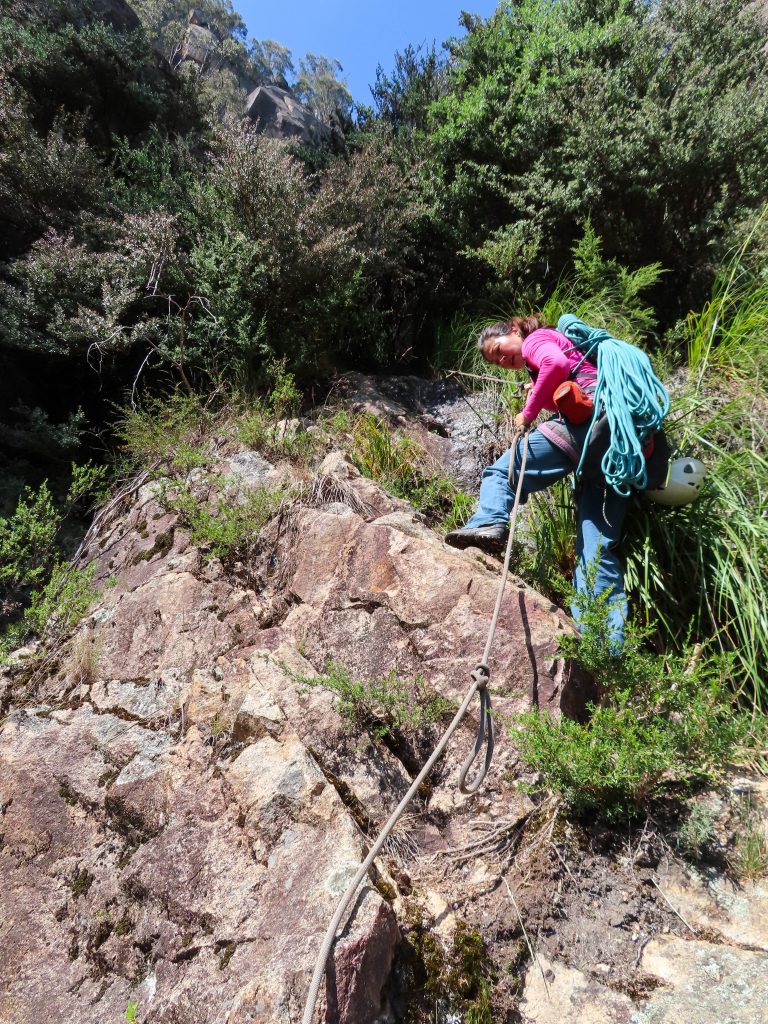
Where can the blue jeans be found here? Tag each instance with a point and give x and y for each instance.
(600, 516)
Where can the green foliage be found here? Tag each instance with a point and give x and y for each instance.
(452, 983)
(547, 562)
(265, 427)
(28, 545)
(68, 84)
(53, 610)
(131, 1011)
(296, 266)
(727, 336)
(30, 540)
(228, 527)
(604, 293)
(701, 569)
(164, 430)
(461, 509)
(388, 706)
(626, 112)
(321, 89)
(403, 467)
(696, 835)
(750, 856)
(88, 481)
(661, 719)
(259, 430)
(285, 397)
(417, 80)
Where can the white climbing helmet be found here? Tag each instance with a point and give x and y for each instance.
(683, 485)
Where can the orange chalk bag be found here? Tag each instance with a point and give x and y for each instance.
(572, 403)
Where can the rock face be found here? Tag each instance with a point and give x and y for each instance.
(181, 806)
(556, 994)
(181, 812)
(117, 13)
(458, 428)
(279, 115)
(704, 983)
(199, 43)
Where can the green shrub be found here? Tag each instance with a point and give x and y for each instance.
(662, 719)
(557, 112)
(28, 545)
(696, 835)
(164, 430)
(259, 430)
(264, 426)
(385, 706)
(547, 563)
(30, 539)
(54, 609)
(462, 507)
(88, 481)
(403, 467)
(229, 527)
(750, 856)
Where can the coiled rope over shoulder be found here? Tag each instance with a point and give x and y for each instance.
(480, 678)
(631, 395)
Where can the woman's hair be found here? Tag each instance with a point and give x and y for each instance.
(525, 324)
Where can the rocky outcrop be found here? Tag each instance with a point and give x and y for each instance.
(700, 983)
(181, 807)
(181, 812)
(279, 115)
(118, 13)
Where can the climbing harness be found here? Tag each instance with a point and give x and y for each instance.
(631, 396)
(480, 678)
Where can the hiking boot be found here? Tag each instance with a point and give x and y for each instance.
(487, 538)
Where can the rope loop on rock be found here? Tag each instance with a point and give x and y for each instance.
(485, 725)
(481, 675)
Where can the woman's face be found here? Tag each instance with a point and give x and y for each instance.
(506, 351)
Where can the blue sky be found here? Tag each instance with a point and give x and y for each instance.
(358, 34)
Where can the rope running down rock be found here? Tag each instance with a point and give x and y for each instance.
(480, 678)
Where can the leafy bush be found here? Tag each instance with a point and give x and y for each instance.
(696, 835)
(259, 430)
(28, 545)
(163, 430)
(417, 80)
(385, 706)
(229, 527)
(557, 112)
(661, 720)
(264, 426)
(54, 609)
(71, 83)
(31, 544)
(303, 267)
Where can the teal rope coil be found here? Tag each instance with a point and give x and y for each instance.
(631, 395)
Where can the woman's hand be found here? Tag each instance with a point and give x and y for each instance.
(522, 422)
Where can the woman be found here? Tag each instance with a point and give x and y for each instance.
(554, 451)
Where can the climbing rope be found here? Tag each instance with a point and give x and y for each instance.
(480, 678)
(631, 395)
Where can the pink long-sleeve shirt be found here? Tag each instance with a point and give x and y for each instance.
(552, 357)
